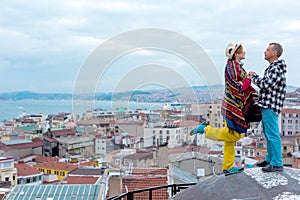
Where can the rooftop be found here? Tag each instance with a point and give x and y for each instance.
(83, 170)
(57, 165)
(250, 184)
(82, 179)
(12, 142)
(66, 192)
(26, 170)
(37, 142)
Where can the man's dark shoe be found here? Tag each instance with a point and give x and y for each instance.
(262, 164)
(271, 168)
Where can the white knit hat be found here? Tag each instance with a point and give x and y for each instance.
(230, 49)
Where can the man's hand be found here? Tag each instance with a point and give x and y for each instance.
(250, 74)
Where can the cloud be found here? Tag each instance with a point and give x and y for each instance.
(292, 25)
(55, 37)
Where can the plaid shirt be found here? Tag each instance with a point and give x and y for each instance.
(272, 86)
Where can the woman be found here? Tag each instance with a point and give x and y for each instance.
(238, 97)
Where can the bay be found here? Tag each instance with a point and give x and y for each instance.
(10, 109)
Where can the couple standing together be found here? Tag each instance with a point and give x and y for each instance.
(239, 96)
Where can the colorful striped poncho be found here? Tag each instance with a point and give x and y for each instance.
(238, 97)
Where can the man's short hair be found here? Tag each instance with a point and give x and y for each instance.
(277, 47)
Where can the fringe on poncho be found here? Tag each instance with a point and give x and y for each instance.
(236, 102)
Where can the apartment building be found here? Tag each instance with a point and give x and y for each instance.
(103, 145)
(18, 149)
(208, 111)
(55, 170)
(290, 121)
(172, 134)
(8, 172)
(28, 175)
(77, 144)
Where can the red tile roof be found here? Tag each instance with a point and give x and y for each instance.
(50, 139)
(87, 171)
(82, 179)
(57, 165)
(26, 170)
(103, 137)
(70, 131)
(37, 142)
(40, 159)
(144, 178)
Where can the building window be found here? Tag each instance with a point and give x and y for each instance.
(160, 140)
(7, 165)
(62, 173)
(153, 140)
(6, 178)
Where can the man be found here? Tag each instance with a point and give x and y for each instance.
(272, 94)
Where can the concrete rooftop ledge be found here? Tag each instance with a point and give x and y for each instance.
(251, 184)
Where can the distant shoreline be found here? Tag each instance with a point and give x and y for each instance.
(16, 108)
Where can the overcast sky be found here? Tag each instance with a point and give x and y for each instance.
(45, 44)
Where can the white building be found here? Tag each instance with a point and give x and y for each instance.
(103, 145)
(154, 136)
(290, 121)
(28, 175)
(7, 170)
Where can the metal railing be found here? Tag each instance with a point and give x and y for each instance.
(153, 192)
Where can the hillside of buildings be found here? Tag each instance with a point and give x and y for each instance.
(158, 95)
(109, 152)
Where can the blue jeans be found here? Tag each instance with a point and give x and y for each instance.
(272, 134)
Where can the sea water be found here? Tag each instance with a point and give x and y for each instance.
(10, 109)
